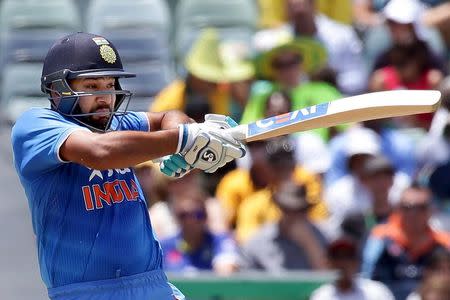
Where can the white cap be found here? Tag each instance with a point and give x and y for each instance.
(403, 11)
(312, 153)
(361, 140)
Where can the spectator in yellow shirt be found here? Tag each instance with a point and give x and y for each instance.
(258, 208)
(273, 13)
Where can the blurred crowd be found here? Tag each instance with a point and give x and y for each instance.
(371, 199)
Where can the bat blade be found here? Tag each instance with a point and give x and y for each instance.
(359, 108)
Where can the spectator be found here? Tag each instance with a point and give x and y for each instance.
(250, 177)
(170, 191)
(348, 195)
(259, 208)
(273, 13)
(438, 264)
(378, 178)
(240, 183)
(342, 44)
(404, 30)
(395, 145)
(207, 71)
(396, 252)
(408, 68)
(436, 13)
(344, 256)
(291, 243)
(436, 287)
(286, 63)
(195, 247)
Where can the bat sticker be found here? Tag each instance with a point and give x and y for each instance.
(292, 117)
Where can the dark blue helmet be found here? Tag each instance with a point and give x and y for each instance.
(82, 55)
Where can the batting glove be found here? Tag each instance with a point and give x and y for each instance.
(208, 146)
(174, 166)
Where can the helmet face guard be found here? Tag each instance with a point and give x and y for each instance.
(66, 101)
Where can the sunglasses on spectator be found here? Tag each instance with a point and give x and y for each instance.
(196, 214)
(280, 64)
(415, 207)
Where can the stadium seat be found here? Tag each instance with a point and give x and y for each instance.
(140, 44)
(109, 15)
(151, 78)
(29, 27)
(20, 89)
(35, 14)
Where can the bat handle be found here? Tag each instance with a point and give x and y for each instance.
(239, 132)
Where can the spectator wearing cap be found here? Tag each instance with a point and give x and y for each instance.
(341, 42)
(436, 14)
(409, 63)
(384, 186)
(259, 208)
(286, 64)
(396, 252)
(208, 66)
(195, 246)
(403, 27)
(394, 144)
(348, 195)
(344, 257)
(292, 242)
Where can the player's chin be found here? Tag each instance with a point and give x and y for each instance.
(99, 121)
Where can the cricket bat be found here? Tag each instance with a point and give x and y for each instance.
(359, 108)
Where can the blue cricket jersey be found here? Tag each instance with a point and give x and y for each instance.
(90, 225)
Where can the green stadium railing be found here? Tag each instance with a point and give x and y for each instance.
(250, 286)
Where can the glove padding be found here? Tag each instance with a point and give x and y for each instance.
(208, 146)
(174, 166)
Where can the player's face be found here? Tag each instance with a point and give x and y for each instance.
(102, 104)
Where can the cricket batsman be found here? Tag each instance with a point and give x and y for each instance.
(93, 233)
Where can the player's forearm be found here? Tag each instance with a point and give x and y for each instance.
(167, 120)
(119, 149)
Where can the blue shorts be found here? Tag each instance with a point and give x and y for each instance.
(145, 286)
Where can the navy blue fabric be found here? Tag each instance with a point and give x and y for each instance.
(78, 52)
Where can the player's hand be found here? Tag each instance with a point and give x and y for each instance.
(208, 146)
(174, 166)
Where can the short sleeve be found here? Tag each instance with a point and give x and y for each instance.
(36, 139)
(137, 121)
